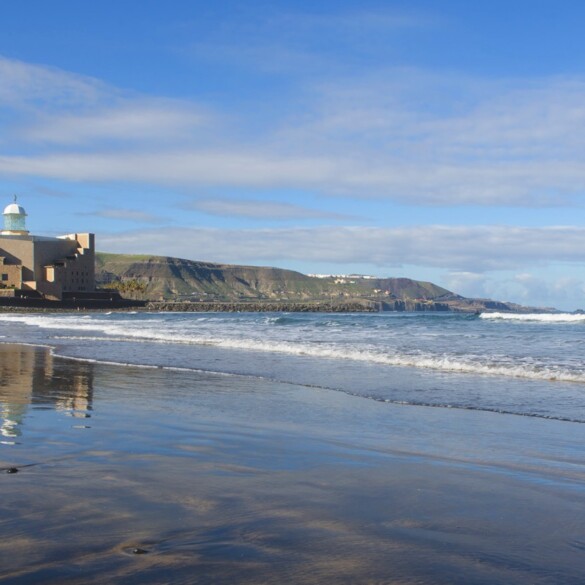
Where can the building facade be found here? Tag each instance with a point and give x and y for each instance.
(43, 267)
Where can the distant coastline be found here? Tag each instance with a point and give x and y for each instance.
(470, 306)
(176, 284)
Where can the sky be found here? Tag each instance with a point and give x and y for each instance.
(441, 141)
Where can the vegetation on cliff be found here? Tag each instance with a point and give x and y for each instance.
(158, 277)
(167, 279)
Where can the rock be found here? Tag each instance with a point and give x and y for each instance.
(139, 551)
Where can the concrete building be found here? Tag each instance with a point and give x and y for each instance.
(42, 267)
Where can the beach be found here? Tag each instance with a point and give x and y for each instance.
(125, 474)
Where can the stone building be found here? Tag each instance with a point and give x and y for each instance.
(42, 267)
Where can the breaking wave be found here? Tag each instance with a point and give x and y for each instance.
(155, 330)
(536, 317)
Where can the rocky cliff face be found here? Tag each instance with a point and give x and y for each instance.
(164, 279)
(157, 277)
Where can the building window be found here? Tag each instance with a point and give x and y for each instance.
(4, 276)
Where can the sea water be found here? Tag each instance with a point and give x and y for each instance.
(257, 448)
(525, 364)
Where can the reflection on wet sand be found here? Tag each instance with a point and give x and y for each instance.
(193, 478)
(29, 376)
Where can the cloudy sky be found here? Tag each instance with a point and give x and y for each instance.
(442, 141)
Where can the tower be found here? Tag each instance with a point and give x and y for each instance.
(14, 220)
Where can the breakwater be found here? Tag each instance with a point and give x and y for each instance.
(355, 306)
(263, 307)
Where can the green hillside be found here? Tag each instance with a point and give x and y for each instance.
(159, 277)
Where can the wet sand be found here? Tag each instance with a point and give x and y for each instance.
(136, 475)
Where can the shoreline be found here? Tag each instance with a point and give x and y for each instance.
(247, 376)
(225, 479)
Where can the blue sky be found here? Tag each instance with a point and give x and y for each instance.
(442, 141)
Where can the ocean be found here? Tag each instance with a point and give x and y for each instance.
(525, 365)
(315, 449)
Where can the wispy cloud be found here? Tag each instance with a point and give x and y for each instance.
(294, 42)
(23, 84)
(55, 107)
(197, 167)
(507, 183)
(363, 21)
(133, 215)
(138, 120)
(498, 143)
(51, 192)
(258, 209)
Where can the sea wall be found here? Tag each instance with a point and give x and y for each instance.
(263, 307)
(357, 306)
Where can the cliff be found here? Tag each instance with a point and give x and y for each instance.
(173, 283)
(160, 278)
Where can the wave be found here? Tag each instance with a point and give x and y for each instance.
(395, 402)
(535, 317)
(157, 331)
(473, 365)
(382, 399)
(479, 409)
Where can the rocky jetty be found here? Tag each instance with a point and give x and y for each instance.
(264, 307)
(354, 306)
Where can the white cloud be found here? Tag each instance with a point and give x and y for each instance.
(138, 120)
(52, 106)
(449, 140)
(22, 84)
(196, 167)
(400, 135)
(522, 184)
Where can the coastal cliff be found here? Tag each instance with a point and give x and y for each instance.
(166, 278)
(176, 284)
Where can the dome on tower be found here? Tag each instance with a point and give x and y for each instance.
(14, 220)
(14, 209)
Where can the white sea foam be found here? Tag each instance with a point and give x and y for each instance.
(536, 317)
(143, 366)
(252, 337)
(469, 364)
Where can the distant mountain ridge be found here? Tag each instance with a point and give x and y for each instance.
(176, 279)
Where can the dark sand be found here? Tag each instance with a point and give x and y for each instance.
(224, 479)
